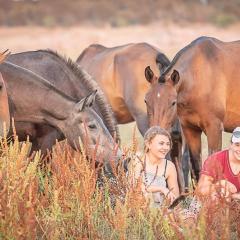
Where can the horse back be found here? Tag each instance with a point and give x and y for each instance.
(120, 73)
(209, 83)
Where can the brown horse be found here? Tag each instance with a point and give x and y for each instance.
(4, 108)
(179, 152)
(35, 102)
(202, 86)
(120, 73)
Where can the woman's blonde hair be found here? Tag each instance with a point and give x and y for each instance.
(152, 132)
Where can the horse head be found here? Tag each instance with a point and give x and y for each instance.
(93, 133)
(161, 99)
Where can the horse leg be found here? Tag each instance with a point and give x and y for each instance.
(214, 136)
(42, 137)
(180, 155)
(185, 164)
(193, 139)
(185, 161)
(48, 139)
(176, 157)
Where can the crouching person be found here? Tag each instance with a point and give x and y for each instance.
(221, 171)
(155, 175)
(220, 178)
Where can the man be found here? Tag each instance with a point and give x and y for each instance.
(220, 176)
(221, 171)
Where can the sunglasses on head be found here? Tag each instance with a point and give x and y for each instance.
(236, 134)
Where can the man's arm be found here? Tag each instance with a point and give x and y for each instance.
(205, 185)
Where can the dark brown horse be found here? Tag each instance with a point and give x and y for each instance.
(35, 102)
(202, 86)
(120, 73)
(4, 108)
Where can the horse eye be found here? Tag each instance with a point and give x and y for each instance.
(173, 103)
(145, 101)
(92, 126)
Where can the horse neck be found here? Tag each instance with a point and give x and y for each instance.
(78, 84)
(33, 98)
(68, 79)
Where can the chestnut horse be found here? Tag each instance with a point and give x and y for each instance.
(201, 86)
(120, 73)
(4, 108)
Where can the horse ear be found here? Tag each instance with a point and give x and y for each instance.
(4, 55)
(175, 77)
(87, 101)
(149, 74)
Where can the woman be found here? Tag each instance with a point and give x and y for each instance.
(156, 175)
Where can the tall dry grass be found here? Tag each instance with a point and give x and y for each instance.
(64, 199)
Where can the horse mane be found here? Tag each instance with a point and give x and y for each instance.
(91, 85)
(162, 61)
(42, 80)
(176, 57)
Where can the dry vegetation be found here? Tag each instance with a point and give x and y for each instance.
(63, 199)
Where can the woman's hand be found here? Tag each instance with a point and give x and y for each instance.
(166, 192)
(169, 194)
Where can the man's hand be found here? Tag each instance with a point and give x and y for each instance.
(227, 189)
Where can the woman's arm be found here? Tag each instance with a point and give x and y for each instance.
(154, 189)
(172, 179)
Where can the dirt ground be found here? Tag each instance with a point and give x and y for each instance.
(170, 38)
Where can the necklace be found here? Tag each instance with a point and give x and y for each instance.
(145, 174)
